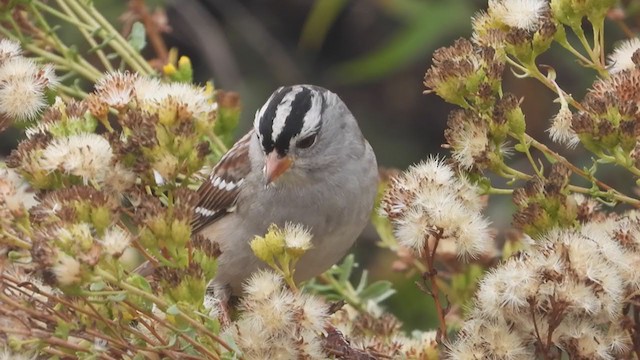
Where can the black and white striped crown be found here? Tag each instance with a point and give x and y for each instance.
(292, 112)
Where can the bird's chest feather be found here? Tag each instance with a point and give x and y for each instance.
(321, 213)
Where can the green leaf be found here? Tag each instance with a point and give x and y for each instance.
(138, 37)
(363, 282)
(118, 297)
(141, 283)
(377, 291)
(173, 310)
(346, 268)
(62, 330)
(97, 286)
(520, 148)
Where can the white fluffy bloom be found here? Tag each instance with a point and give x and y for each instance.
(277, 323)
(116, 89)
(86, 155)
(429, 200)
(469, 144)
(297, 237)
(115, 240)
(21, 92)
(262, 285)
(7, 354)
(9, 49)
(521, 14)
(66, 270)
(620, 58)
(580, 279)
(152, 94)
(560, 130)
(14, 191)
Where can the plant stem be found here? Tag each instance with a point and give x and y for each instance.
(161, 304)
(526, 146)
(87, 35)
(347, 293)
(431, 274)
(16, 241)
(498, 191)
(614, 193)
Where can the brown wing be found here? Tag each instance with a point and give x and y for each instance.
(218, 194)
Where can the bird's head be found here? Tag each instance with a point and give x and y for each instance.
(300, 129)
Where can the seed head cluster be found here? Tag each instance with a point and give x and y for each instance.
(431, 198)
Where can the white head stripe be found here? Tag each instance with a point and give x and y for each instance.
(283, 110)
(260, 111)
(312, 118)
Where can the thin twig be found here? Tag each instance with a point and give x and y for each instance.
(139, 8)
(431, 274)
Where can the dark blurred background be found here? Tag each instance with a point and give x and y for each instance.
(374, 54)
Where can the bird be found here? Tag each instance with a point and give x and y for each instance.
(305, 161)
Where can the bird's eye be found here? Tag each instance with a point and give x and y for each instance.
(306, 142)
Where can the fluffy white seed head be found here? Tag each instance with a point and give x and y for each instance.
(620, 59)
(66, 270)
(430, 200)
(521, 14)
(9, 49)
(262, 285)
(115, 240)
(560, 130)
(116, 89)
(297, 237)
(86, 155)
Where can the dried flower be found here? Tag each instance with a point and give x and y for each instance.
(277, 323)
(87, 156)
(429, 199)
(560, 130)
(621, 57)
(570, 288)
(9, 49)
(468, 136)
(66, 270)
(116, 89)
(22, 86)
(115, 240)
(521, 14)
(459, 71)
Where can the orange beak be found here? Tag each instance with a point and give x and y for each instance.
(276, 165)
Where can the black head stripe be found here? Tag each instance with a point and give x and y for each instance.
(266, 122)
(300, 105)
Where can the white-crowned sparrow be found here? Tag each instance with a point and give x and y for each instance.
(305, 161)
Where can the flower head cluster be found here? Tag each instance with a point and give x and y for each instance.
(166, 125)
(170, 101)
(430, 199)
(572, 12)
(622, 56)
(478, 141)
(543, 203)
(609, 118)
(464, 73)
(74, 230)
(568, 292)
(380, 333)
(524, 28)
(277, 323)
(286, 244)
(22, 84)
